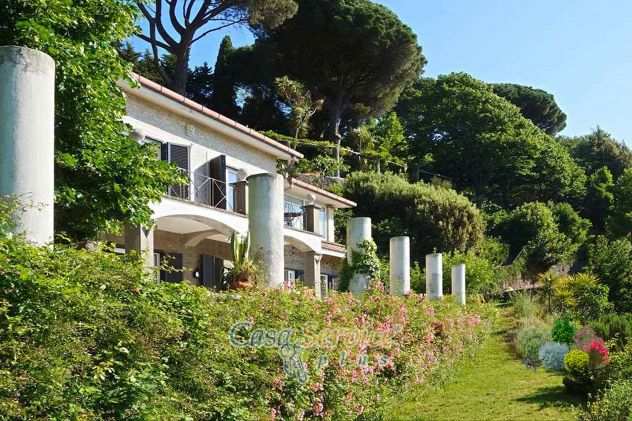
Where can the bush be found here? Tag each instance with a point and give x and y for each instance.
(552, 355)
(434, 217)
(89, 335)
(614, 404)
(563, 331)
(525, 306)
(578, 376)
(611, 262)
(614, 328)
(483, 275)
(529, 340)
(583, 296)
(532, 232)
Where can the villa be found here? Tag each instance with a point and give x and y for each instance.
(291, 221)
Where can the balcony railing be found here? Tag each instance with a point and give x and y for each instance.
(210, 191)
(207, 191)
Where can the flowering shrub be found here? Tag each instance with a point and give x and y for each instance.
(614, 404)
(552, 355)
(88, 335)
(597, 353)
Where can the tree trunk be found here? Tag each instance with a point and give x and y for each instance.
(335, 117)
(181, 71)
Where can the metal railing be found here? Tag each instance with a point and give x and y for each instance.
(180, 191)
(210, 191)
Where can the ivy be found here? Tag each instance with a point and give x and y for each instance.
(363, 261)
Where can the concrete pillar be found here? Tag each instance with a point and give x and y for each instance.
(265, 223)
(458, 283)
(312, 273)
(399, 260)
(27, 124)
(358, 230)
(140, 240)
(434, 276)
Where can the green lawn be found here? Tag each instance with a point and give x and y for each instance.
(493, 385)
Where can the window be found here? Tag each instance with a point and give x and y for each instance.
(293, 213)
(324, 231)
(179, 156)
(232, 177)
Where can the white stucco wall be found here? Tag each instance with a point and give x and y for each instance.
(160, 124)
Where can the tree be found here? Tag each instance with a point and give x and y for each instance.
(223, 98)
(599, 149)
(620, 220)
(355, 54)
(599, 197)
(433, 217)
(302, 105)
(175, 25)
(570, 223)
(535, 104)
(484, 145)
(533, 234)
(611, 262)
(102, 176)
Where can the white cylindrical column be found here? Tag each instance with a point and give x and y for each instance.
(399, 259)
(27, 125)
(458, 283)
(265, 223)
(434, 276)
(358, 230)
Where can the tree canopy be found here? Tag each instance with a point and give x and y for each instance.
(102, 176)
(535, 104)
(434, 217)
(599, 149)
(356, 55)
(541, 235)
(484, 145)
(175, 25)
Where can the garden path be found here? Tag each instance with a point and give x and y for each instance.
(493, 385)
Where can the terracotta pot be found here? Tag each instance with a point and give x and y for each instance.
(241, 281)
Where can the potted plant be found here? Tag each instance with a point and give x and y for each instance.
(245, 271)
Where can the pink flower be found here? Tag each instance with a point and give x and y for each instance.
(598, 353)
(318, 408)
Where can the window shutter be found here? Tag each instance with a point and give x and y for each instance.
(217, 171)
(173, 260)
(212, 272)
(179, 156)
(164, 151)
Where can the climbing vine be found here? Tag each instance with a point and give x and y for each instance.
(364, 261)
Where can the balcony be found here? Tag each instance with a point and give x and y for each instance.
(211, 192)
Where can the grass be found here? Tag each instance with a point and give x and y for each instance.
(493, 385)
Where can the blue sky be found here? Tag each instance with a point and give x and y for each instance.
(578, 50)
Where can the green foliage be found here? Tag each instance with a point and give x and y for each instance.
(355, 54)
(529, 340)
(614, 404)
(363, 261)
(102, 176)
(611, 262)
(577, 366)
(599, 197)
(459, 120)
(542, 236)
(433, 217)
(537, 105)
(245, 269)
(563, 330)
(582, 296)
(599, 149)
(614, 328)
(525, 306)
(381, 143)
(301, 103)
(484, 274)
(89, 335)
(620, 219)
